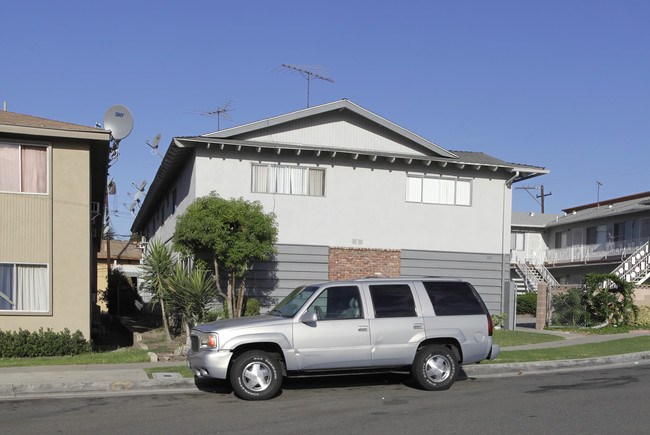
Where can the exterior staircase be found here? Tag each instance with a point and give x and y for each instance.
(635, 267)
(530, 274)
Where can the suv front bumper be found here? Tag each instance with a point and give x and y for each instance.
(211, 363)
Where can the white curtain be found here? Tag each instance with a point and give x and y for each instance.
(463, 192)
(414, 189)
(260, 179)
(316, 182)
(9, 168)
(32, 286)
(298, 180)
(431, 190)
(447, 191)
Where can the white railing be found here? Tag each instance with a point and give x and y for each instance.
(600, 251)
(635, 268)
(546, 275)
(530, 280)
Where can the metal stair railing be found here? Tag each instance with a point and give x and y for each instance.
(544, 272)
(530, 280)
(635, 268)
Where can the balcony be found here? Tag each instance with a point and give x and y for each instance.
(604, 252)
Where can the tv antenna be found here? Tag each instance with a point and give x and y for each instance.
(598, 184)
(154, 145)
(131, 207)
(220, 111)
(307, 71)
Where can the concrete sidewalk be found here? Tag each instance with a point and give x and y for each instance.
(103, 379)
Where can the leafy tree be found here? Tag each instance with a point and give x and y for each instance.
(190, 292)
(158, 265)
(233, 233)
(610, 298)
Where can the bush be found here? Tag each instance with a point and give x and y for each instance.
(527, 303)
(23, 344)
(251, 308)
(643, 319)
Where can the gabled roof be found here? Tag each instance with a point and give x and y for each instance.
(339, 105)
(625, 205)
(244, 138)
(18, 123)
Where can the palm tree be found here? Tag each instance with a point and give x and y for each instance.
(157, 264)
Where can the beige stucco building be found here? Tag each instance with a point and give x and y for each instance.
(52, 185)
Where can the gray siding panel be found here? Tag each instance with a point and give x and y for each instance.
(293, 266)
(483, 271)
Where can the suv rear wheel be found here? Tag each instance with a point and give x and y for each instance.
(255, 375)
(435, 367)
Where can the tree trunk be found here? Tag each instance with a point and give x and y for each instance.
(165, 321)
(240, 296)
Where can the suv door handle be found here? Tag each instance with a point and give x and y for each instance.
(418, 326)
(363, 328)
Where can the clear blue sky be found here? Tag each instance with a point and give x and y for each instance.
(559, 84)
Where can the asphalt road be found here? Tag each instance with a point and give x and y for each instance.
(588, 401)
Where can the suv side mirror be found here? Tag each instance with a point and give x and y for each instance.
(308, 317)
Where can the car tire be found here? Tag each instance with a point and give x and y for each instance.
(255, 375)
(435, 367)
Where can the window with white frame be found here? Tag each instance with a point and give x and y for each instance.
(23, 168)
(288, 179)
(438, 190)
(24, 287)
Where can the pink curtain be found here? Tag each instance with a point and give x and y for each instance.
(34, 169)
(9, 168)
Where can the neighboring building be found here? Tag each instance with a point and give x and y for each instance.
(604, 237)
(354, 195)
(124, 256)
(52, 186)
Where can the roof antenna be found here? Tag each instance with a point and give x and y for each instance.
(598, 184)
(309, 75)
(220, 111)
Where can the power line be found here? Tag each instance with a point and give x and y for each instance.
(535, 197)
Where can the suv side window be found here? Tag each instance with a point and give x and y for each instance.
(338, 303)
(392, 300)
(454, 298)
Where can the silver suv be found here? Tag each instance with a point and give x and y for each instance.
(427, 325)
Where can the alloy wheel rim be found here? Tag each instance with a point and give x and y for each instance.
(437, 368)
(256, 376)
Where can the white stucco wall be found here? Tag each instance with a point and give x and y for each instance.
(367, 208)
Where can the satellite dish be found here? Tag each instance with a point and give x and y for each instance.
(154, 144)
(137, 195)
(119, 121)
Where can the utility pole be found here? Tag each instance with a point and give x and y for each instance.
(540, 196)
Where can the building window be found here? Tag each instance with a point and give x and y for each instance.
(289, 180)
(24, 287)
(518, 241)
(437, 190)
(23, 168)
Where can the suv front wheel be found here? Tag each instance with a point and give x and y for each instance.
(256, 375)
(435, 367)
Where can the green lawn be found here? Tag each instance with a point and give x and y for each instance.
(129, 355)
(505, 338)
(592, 350)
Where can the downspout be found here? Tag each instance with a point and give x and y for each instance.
(507, 185)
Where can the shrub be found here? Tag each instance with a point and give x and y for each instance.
(120, 296)
(251, 308)
(23, 344)
(527, 303)
(643, 319)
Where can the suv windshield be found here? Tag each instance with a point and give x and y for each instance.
(290, 305)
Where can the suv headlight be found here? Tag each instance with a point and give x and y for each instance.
(211, 341)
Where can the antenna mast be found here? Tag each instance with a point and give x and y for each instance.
(309, 75)
(220, 111)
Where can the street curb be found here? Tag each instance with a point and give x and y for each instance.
(508, 369)
(131, 387)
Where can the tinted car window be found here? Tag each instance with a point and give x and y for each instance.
(454, 298)
(392, 300)
(338, 303)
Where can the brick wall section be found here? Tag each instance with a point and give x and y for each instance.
(352, 263)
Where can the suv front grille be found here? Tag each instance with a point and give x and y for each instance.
(195, 343)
